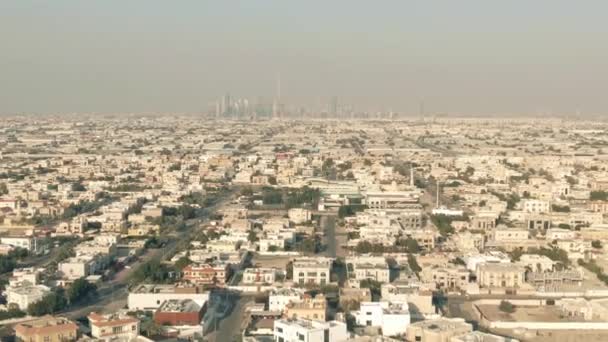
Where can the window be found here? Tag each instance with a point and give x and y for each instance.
(280, 330)
(301, 337)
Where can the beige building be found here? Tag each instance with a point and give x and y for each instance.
(309, 308)
(108, 328)
(47, 329)
(450, 277)
(437, 330)
(366, 267)
(312, 271)
(500, 275)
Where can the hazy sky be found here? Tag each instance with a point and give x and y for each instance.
(461, 57)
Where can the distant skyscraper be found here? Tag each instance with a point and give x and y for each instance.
(333, 107)
(226, 105)
(276, 104)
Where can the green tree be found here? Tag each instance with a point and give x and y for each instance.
(599, 196)
(350, 210)
(506, 306)
(79, 290)
(252, 236)
(410, 245)
(49, 304)
(182, 262)
(413, 263)
(443, 224)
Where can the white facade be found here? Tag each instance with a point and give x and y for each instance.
(366, 267)
(299, 215)
(535, 206)
(447, 212)
(27, 242)
(478, 259)
(301, 330)
(392, 318)
(259, 276)
(265, 244)
(25, 294)
(312, 271)
(150, 297)
(277, 300)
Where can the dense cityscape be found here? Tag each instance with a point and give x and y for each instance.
(141, 228)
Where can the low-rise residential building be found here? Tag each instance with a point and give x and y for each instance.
(367, 267)
(450, 277)
(206, 274)
(536, 263)
(303, 330)
(392, 318)
(499, 275)
(309, 308)
(113, 327)
(151, 296)
(23, 294)
(31, 243)
(437, 330)
(312, 271)
(299, 215)
(47, 329)
(279, 298)
(259, 276)
(180, 312)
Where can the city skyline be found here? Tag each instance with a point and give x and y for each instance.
(470, 58)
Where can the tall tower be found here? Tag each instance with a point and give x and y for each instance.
(333, 107)
(276, 104)
(226, 104)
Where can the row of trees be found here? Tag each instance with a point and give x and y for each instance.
(81, 207)
(443, 223)
(9, 262)
(350, 210)
(406, 245)
(595, 268)
(80, 291)
(290, 198)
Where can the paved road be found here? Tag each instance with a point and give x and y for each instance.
(231, 327)
(329, 228)
(421, 142)
(112, 295)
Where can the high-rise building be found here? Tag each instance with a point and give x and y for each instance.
(226, 104)
(333, 107)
